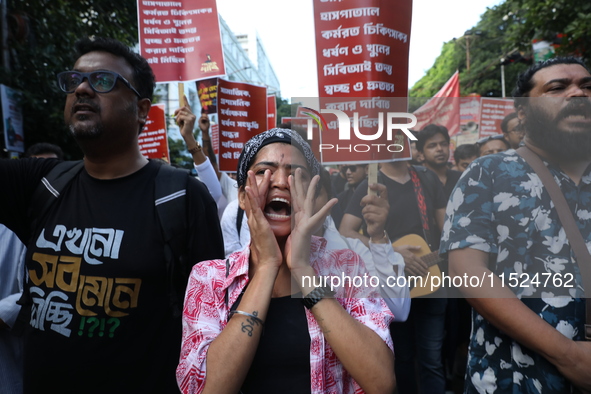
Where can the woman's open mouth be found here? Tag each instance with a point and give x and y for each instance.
(278, 209)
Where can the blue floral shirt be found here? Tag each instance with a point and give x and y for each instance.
(499, 206)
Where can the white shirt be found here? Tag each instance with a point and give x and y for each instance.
(234, 242)
(381, 261)
(223, 190)
(229, 187)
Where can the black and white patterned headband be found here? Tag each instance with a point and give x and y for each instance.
(287, 136)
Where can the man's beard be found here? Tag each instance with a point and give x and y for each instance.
(86, 132)
(95, 131)
(563, 144)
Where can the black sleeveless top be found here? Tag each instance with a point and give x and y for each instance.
(282, 360)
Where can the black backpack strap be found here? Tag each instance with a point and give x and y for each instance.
(48, 191)
(170, 201)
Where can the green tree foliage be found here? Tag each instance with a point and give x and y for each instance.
(545, 19)
(483, 46)
(179, 156)
(283, 109)
(42, 33)
(506, 31)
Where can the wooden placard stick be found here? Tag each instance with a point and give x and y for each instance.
(181, 94)
(372, 177)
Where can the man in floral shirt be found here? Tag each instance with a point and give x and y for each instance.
(503, 237)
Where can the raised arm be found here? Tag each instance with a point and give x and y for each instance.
(207, 173)
(204, 124)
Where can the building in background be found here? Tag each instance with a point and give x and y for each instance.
(245, 60)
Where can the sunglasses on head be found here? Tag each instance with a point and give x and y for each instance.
(99, 81)
(484, 140)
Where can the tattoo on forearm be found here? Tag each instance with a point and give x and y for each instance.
(248, 326)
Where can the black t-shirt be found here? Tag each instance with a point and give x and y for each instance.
(404, 216)
(282, 360)
(338, 210)
(101, 319)
(452, 178)
(337, 183)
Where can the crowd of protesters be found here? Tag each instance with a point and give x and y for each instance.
(215, 285)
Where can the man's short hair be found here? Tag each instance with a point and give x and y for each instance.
(429, 132)
(524, 80)
(41, 148)
(506, 120)
(143, 76)
(465, 151)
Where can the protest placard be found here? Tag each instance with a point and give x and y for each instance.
(271, 112)
(362, 53)
(492, 113)
(181, 39)
(12, 116)
(242, 113)
(153, 140)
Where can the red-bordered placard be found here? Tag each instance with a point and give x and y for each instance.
(153, 140)
(362, 56)
(181, 39)
(242, 113)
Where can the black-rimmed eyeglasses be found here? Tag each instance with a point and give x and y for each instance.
(99, 81)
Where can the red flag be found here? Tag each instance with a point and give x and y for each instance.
(443, 109)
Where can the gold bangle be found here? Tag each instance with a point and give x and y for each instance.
(195, 149)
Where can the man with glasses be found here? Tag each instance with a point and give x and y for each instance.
(512, 130)
(100, 314)
(528, 333)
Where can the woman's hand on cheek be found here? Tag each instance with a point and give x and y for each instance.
(306, 221)
(263, 245)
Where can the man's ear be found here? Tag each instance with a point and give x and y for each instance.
(143, 108)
